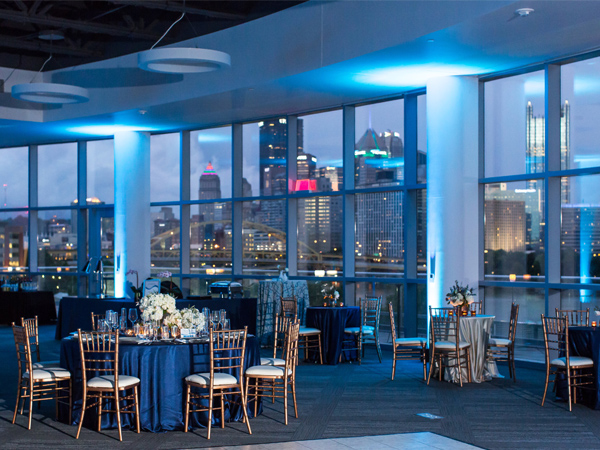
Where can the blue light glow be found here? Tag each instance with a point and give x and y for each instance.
(205, 138)
(586, 85)
(406, 76)
(106, 130)
(535, 86)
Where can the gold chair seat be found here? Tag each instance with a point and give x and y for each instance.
(266, 371)
(108, 382)
(203, 379)
(272, 362)
(410, 341)
(356, 330)
(574, 361)
(449, 345)
(53, 373)
(499, 342)
(306, 331)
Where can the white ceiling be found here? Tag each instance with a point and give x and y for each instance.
(312, 56)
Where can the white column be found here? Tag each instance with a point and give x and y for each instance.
(452, 185)
(132, 208)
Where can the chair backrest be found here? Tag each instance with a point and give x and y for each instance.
(95, 319)
(291, 347)
(279, 338)
(392, 321)
(512, 324)
(227, 352)
(99, 352)
(32, 331)
(445, 324)
(477, 307)
(288, 306)
(370, 310)
(577, 317)
(23, 349)
(556, 337)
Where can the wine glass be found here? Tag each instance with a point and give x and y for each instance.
(133, 315)
(225, 324)
(215, 318)
(111, 319)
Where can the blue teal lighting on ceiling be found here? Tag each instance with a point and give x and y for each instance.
(412, 76)
(205, 138)
(106, 130)
(586, 85)
(535, 86)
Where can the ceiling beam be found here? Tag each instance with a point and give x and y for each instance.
(7, 42)
(177, 7)
(112, 30)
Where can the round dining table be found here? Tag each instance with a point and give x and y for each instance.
(332, 321)
(161, 366)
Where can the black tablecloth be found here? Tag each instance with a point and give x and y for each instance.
(28, 304)
(161, 369)
(76, 312)
(331, 322)
(583, 341)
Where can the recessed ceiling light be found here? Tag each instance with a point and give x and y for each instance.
(51, 35)
(524, 12)
(430, 40)
(182, 60)
(142, 111)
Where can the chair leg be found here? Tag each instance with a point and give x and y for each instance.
(99, 410)
(378, 347)
(285, 400)
(360, 349)
(82, 413)
(320, 350)
(222, 410)
(394, 365)
(459, 367)
(30, 404)
(569, 385)
(245, 405)
(431, 364)
(293, 385)
(118, 410)
(546, 384)
(512, 363)
(469, 376)
(18, 400)
(137, 408)
(210, 411)
(187, 408)
(424, 359)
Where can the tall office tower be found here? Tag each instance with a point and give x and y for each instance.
(306, 167)
(369, 154)
(12, 248)
(505, 223)
(395, 146)
(210, 188)
(334, 174)
(165, 221)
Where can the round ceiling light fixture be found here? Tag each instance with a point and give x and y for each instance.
(524, 12)
(51, 93)
(183, 60)
(51, 35)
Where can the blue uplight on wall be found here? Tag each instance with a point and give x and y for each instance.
(106, 130)
(415, 76)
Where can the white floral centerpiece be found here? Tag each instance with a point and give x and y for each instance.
(157, 306)
(460, 296)
(186, 318)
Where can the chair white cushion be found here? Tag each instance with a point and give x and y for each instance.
(266, 371)
(356, 330)
(46, 364)
(450, 345)
(272, 362)
(573, 361)
(49, 373)
(305, 331)
(108, 381)
(411, 341)
(203, 379)
(499, 342)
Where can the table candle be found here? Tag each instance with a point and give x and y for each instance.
(594, 323)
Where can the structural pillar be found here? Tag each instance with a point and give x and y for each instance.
(452, 185)
(132, 208)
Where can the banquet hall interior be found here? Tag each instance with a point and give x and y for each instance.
(396, 168)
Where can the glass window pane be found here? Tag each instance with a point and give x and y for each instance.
(101, 171)
(271, 157)
(389, 293)
(379, 246)
(580, 229)
(264, 236)
(580, 103)
(529, 342)
(319, 237)
(165, 242)
(251, 169)
(210, 238)
(379, 147)
(422, 233)
(210, 163)
(62, 284)
(514, 125)
(422, 139)
(14, 240)
(514, 231)
(320, 148)
(57, 174)
(14, 177)
(164, 167)
(581, 299)
(57, 240)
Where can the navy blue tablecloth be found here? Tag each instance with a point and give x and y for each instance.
(332, 321)
(76, 312)
(28, 304)
(583, 341)
(161, 369)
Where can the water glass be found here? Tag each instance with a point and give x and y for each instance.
(102, 325)
(136, 329)
(133, 315)
(165, 334)
(215, 318)
(123, 321)
(225, 324)
(222, 315)
(206, 313)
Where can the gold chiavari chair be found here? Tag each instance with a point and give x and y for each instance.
(288, 306)
(281, 326)
(226, 377)
(577, 317)
(95, 319)
(38, 384)
(500, 349)
(477, 307)
(101, 379)
(556, 340)
(276, 382)
(446, 343)
(310, 337)
(407, 348)
(355, 338)
(34, 343)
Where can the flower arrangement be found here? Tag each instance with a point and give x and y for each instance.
(156, 306)
(186, 318)
(460, 295)
(330, 293)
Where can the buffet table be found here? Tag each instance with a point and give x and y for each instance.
(332, 321)
(76, 312)
(161, 367)
(28, 304)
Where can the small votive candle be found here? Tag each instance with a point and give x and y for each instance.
(464, 313)
(594, 323)
(473, 313)
(324, 303)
